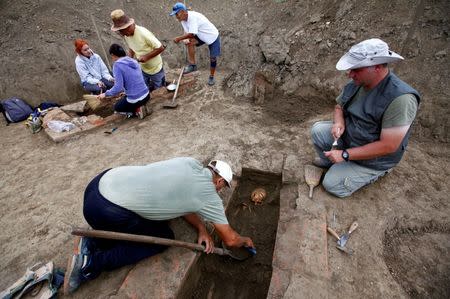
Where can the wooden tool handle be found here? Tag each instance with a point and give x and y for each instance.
(178, 85)
(333, 233)
(353, 227)
(311, 188)
(141, 238)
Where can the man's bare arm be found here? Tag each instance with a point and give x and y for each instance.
(203, 236)
(230, 237)
(150, 55)
(390, 140)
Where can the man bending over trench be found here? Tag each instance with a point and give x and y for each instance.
(372, 120)
(140, 200)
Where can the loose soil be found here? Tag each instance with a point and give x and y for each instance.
(411, 253)
(224, 277)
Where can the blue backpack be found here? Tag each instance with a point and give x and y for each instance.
(15, 110)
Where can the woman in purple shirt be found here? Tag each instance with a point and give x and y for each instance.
(128, 77)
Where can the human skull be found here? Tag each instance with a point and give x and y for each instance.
(258, 195)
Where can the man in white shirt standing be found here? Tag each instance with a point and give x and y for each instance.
(198, 31)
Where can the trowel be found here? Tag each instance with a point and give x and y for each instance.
(347, 250)
(344, 238)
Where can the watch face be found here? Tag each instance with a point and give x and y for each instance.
(345, 154)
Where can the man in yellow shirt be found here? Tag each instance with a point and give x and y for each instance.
(143, 46)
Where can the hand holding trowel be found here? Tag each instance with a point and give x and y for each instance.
(335, 144)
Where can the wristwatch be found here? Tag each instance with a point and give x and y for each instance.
(345, 155)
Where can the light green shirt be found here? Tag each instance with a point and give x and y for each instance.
(165, 190)
(400, 112)
(143, 42)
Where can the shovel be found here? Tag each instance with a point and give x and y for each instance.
(172, 104)
(237, 254)
(312, 177)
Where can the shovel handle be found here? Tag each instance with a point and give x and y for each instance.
(178, 85)
(333, 233)
(353, 227)
(141, 238)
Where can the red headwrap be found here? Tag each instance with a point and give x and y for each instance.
(79, 43)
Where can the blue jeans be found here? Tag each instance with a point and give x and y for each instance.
(342, 179)
(94, 89)
(102, 214)
(124, 106)
(155, 81)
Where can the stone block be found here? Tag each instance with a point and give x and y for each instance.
(58, 137)
(76, 107)
(300, 261)
(293, 170)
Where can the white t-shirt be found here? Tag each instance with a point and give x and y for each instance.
(199, 25)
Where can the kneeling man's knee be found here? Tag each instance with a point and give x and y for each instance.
(336, 185)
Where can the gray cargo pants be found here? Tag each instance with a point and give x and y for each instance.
(342, 179)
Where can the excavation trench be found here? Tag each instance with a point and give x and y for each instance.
(223, 277)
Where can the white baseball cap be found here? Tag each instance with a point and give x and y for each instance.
(370, 52)
(222, 169)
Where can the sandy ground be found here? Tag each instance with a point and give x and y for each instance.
(42, 184)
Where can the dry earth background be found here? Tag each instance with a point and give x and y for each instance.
(404, 234)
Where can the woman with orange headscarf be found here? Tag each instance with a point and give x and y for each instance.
(95, 77)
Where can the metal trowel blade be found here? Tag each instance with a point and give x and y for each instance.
(343, 240)
(349, 251)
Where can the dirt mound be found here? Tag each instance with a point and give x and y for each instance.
(298, 42)
(411, 254)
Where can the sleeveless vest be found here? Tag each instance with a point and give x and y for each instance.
(363, 118)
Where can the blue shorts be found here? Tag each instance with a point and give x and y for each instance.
(214, 48)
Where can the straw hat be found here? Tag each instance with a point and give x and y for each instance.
(120, 20)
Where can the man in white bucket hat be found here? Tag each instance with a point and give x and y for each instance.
(141, 200)
(372, 120)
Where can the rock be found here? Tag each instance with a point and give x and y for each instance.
(315, 18)
(76, 107)
(274, 49)
(440, 54)
(56, 114)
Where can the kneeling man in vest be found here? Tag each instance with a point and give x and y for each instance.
(372, 120)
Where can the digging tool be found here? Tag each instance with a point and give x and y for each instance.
(335, 145)
(172, 86)
(344, 238)
(160, 241)
(173, 104)
(347, 250)
(312, 177)
(101, 43)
